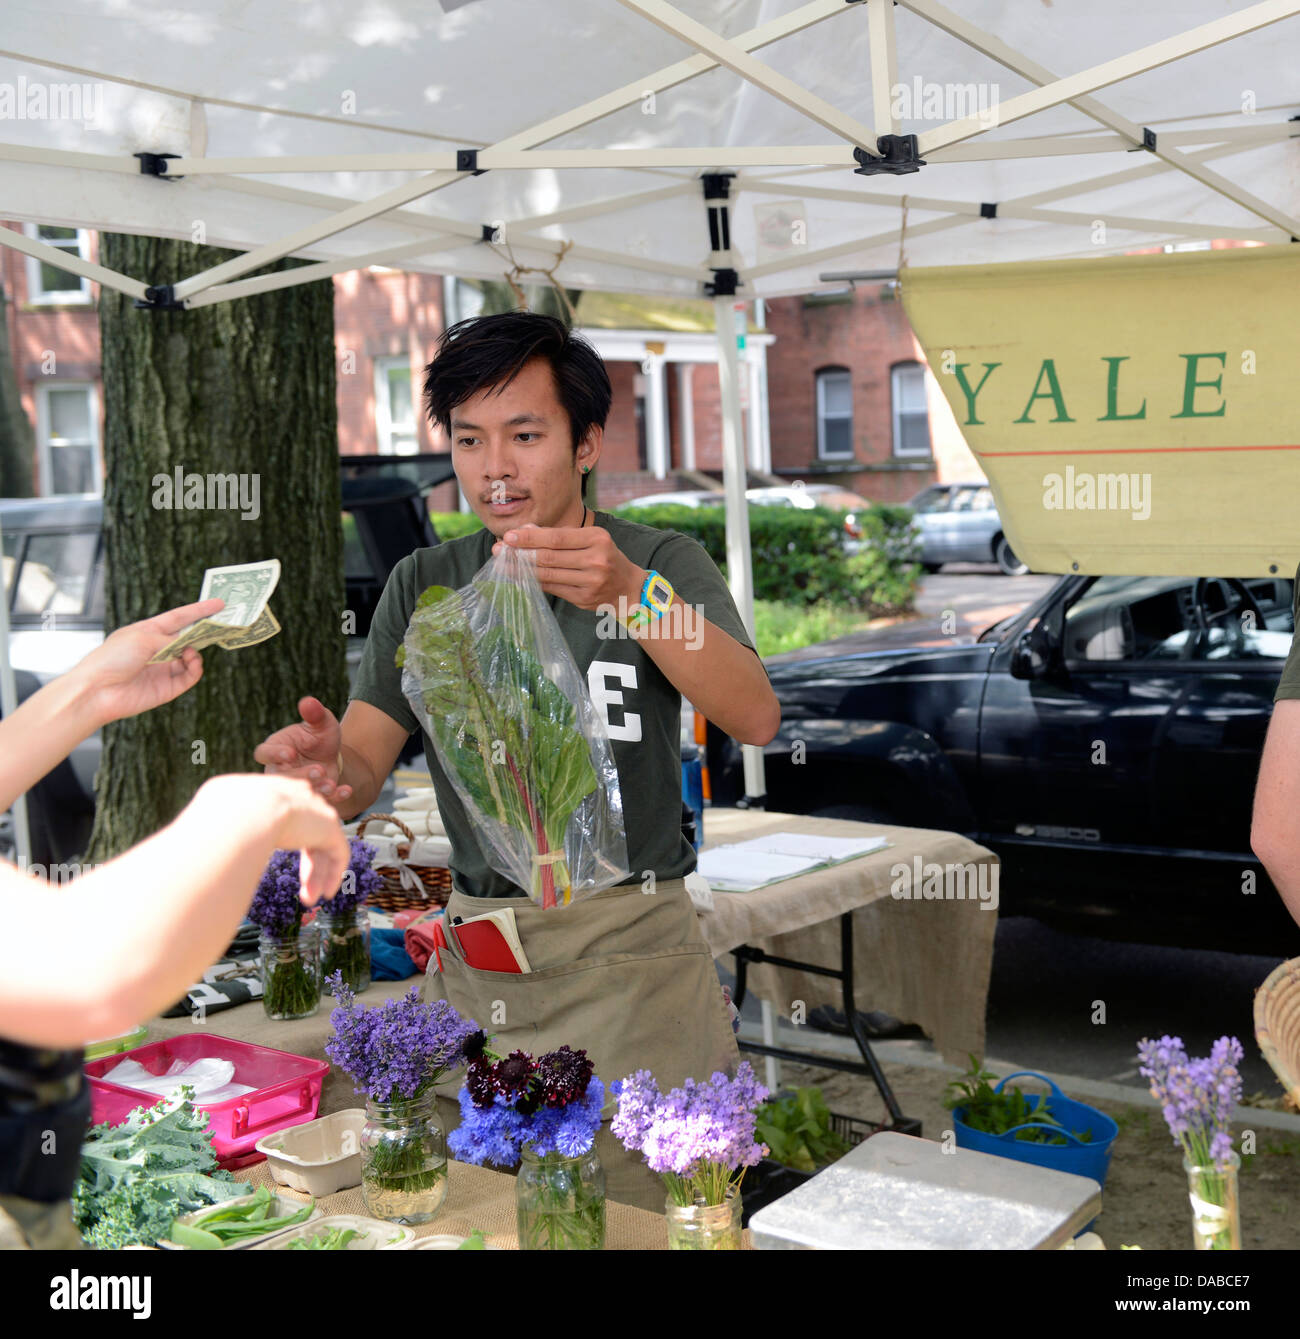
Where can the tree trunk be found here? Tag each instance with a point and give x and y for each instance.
(17, 441)
(244, 388)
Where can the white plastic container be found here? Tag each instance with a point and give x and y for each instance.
(318, 1157)
(280, 1206)
(376, 1235)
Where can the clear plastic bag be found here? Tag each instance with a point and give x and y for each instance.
(490, 677)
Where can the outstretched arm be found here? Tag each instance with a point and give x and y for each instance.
(126, 940)
(113, 681)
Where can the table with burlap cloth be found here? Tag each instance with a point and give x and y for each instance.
(476, 1196)
(926, 962)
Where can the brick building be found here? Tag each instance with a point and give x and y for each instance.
(833, 387)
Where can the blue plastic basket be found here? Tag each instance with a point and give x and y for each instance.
(1091, 1159)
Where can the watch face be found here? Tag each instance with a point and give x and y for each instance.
(660, 592)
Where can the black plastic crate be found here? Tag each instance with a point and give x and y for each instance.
(769, 1180)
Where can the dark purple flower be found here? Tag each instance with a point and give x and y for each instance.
(563, 1076)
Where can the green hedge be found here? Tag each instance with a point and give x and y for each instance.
(454, 524)
(798, 555)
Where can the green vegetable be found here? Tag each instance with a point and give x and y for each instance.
(195, 1238)
(997, 1113)
(240, 1222)
(333, 1239)
(799, 1131)
(503, 729)
(138, 1177)
(474, 1242)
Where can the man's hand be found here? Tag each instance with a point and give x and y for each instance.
(309, 750)
(117, 677)
(581, 564)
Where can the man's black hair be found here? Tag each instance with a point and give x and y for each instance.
(486, 351)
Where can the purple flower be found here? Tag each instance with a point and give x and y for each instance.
(276, 906)
(1196, 1095)
(496, 1133)
(399, 1048)
(359, 879)
(701, 1133)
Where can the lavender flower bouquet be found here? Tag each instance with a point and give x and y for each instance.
(700, 1139)
(290, 957)
(396, 1053)
(545, 1112)
(346, 939)
(1197, 1097)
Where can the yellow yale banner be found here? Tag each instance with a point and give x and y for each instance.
(1136, 415)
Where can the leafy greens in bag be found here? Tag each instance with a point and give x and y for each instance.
(490, 677)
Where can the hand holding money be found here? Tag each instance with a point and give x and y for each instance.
(245, 619)
(121, 677)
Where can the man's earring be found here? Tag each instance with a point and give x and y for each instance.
(586, 469)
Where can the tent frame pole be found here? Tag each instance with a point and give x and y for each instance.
(740, 573)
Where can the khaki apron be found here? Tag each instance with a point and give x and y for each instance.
(625, 975)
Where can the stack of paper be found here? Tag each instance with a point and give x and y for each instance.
(744, 866)
(825, 850)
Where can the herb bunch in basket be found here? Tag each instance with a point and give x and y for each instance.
(999, 1112)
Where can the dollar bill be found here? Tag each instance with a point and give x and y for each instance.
(245, 589)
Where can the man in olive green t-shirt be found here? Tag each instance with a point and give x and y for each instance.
(1275, 829)
(525, 403)
(628, 978)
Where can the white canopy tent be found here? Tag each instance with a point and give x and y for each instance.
(738, 148)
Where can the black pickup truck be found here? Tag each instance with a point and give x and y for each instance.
(1104, 742)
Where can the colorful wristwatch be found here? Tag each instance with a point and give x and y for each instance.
(656, 600)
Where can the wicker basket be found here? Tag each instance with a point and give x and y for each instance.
(435, 880)
(1277, 1024)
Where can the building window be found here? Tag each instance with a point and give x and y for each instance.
(67, 439)
(911, 415)
(395, 408)
(462, 298)
(47, 283)
(834, 414)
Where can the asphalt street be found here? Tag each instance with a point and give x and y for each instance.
(1046, 984)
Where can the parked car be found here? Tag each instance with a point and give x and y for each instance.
(1103, 742)
(959, 523)
(53, 566)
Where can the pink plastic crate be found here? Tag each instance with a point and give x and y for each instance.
(286, 1090)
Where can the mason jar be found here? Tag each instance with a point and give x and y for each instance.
(404, 1159)
(560, 1202)
(289, 965)
(345, 946)
(705, 1227)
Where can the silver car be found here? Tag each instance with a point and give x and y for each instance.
(959, 523)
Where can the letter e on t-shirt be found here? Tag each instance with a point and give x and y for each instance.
(600, 673)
